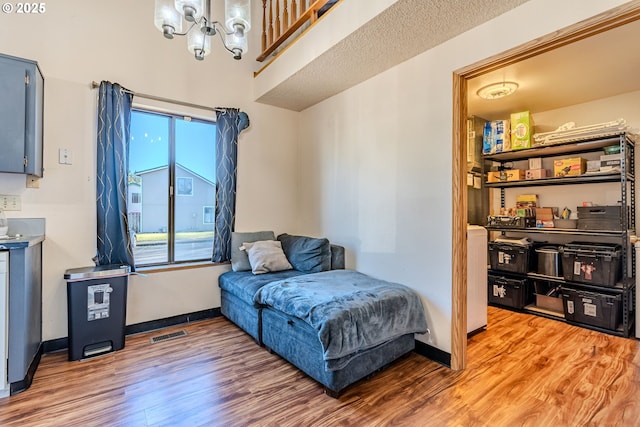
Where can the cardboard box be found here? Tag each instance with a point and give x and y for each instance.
(549, 303)
(608, 157)
(569, 167)
(505, 175)
(535, 163)
(527, 201)
(521, 131)
(496, 137)
(593, 165)
(535, 173)
(610, 163)
(544, 217)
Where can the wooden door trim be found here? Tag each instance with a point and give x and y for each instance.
(597, 24)
(459, 232)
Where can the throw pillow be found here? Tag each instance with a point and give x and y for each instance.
(307, 254)
(239, 259)
(266, 256)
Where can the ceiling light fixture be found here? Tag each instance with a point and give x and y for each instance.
(497, 90)
(169, 16)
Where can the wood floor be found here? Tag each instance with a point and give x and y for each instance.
(523, 371)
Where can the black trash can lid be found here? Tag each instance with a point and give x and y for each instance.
(95, 272)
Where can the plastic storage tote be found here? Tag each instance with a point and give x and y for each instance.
(511, 255)
(593, 263)
(509, 291)
(592, 308)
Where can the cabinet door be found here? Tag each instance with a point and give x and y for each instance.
(12, 115)
(33, 124)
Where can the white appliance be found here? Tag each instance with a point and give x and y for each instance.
(476, 278)
(4, 322)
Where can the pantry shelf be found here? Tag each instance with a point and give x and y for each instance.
(569, 231)
(580, 179)
(594, 295)
(544, 312)
(569, 147)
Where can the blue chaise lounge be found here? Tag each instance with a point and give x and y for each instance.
(336, 325)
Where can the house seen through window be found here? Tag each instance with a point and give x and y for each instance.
(171, 188)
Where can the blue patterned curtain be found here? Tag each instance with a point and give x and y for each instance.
(229, 123)
(114, 119)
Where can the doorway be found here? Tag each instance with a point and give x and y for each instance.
(597, 25)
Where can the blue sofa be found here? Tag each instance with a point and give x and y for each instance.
(291, 337)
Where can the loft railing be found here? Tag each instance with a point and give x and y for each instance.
(281, 19)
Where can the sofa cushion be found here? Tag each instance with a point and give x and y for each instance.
(245, 284)
(239, 259)
(307, 254)
(266, 256)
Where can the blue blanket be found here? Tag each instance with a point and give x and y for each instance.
(351, 311)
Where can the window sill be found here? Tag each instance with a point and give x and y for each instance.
(174, 267)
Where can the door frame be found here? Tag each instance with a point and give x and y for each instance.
(597, 24)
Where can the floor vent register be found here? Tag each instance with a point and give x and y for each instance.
(166, 337)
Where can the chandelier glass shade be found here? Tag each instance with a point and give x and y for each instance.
(171, 14)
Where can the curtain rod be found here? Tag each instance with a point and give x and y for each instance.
(95, 85)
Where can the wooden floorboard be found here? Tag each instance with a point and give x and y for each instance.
(523, 370)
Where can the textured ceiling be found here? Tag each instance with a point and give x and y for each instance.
(597, 67)
(404, 30)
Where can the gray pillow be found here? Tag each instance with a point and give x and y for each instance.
(307, 254)
(266, 256)
(239, 259)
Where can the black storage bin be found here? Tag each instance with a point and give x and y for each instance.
(509, 291)
(97, 305)
(600, 217)
(592, 308)
(513, 257)
(593, 263)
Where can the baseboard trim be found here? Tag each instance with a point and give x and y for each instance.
(433, 353)
(25, 383)
(172, 321)
(59, 344)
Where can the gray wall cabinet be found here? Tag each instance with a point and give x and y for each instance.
(21, 116)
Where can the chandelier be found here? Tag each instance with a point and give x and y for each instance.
(169, 16)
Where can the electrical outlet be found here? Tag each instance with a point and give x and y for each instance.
(10, 202)
(65, 156)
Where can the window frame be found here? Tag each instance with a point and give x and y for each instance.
(172, 183)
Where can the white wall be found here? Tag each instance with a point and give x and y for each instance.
(375, 162)
(76, 42)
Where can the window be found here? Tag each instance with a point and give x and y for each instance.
(171, 156)
(185, 186)
(208, 215)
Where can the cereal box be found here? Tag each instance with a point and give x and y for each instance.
(521, 130)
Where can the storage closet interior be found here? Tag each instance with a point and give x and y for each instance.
(552, 177)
